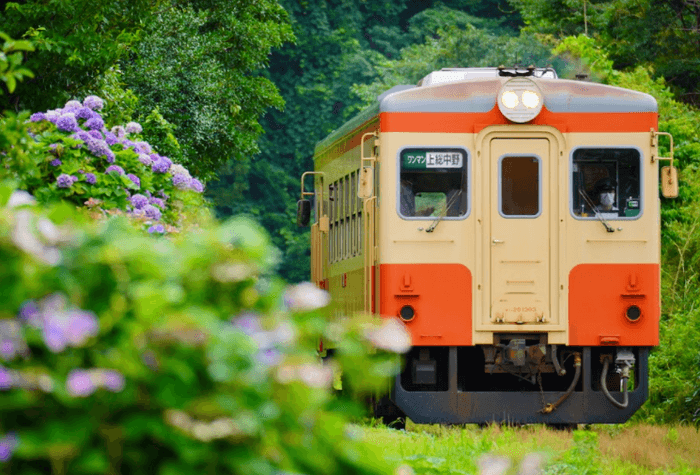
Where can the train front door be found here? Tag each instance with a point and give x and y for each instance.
(519, 209)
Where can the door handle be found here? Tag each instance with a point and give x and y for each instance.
(498, 241)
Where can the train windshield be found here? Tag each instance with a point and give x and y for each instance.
(433, 183)
(606, 182)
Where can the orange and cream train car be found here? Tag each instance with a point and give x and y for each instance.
(511, 220)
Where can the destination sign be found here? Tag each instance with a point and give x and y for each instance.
(427, 159)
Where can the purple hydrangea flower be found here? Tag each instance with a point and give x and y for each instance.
(99, 148)
(71, 105)
(119, 131)
(145, 147)
(112, 380)
(268, 357)
(161, 165)
(134, 179)
(96, 134)
(181, 181)
(53, 332)
(80, 383)
(67, 123)
(196, 185)
(145, 159)
(95, 123)
(82, 135)
(37, 117)
(6, 379)
(52, 116)
(82, 325)
(129, 144)
(64, 181)
(90, 178)
(29, 312)
(134, 128)
(54, 163)
(7, 349)
(8, 445)
(248, 323)
(156, 228)
(94, 103)
(139, 201)
(156, 202)
(152, 212)
(84, 113)
(115, 168)
(110, 138)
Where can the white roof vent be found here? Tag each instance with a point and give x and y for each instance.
(446, 75)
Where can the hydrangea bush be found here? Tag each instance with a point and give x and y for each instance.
(77, 157)
(124, 353)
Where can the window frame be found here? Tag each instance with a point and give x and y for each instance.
(642, 190)
(466, 169)
(540, 189)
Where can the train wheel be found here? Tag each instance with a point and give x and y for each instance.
(389, 413)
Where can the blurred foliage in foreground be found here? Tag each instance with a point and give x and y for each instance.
(125, 352)
(128, 352)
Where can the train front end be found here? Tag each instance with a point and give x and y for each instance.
(516, 231)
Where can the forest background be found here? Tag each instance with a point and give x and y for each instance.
(240, 92)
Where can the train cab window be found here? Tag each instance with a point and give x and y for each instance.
(519, 186)
(606, 182)
(433, 183)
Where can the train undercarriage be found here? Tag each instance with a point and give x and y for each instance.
(520, 379)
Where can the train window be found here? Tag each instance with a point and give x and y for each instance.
(519, 186)
(433, 183)
(606, 182)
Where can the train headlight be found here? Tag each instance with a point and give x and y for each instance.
(520, 100)
(633, 313)
(407, 313)
(509, 99)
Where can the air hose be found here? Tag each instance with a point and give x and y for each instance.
(623, 382)
(549, 408)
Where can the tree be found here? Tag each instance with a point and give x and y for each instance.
(198, 62)
(76, 41)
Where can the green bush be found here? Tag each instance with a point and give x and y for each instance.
(74, 157)
(133, 353)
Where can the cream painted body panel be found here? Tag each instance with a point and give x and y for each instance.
(468, 241)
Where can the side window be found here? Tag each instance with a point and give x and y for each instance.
(433, 182)
(607, 182)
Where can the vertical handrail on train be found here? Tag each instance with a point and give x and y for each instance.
(368, 208)
(368, 212)
(318, 228)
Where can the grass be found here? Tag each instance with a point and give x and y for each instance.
(600, 449)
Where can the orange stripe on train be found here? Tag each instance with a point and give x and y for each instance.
(475, 122)
(599, 298)
(441, 295)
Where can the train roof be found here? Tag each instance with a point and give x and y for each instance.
(475, 90)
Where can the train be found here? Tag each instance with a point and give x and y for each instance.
(511, 220)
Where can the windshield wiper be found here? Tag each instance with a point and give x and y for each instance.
(443, 213)
(595, 210)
